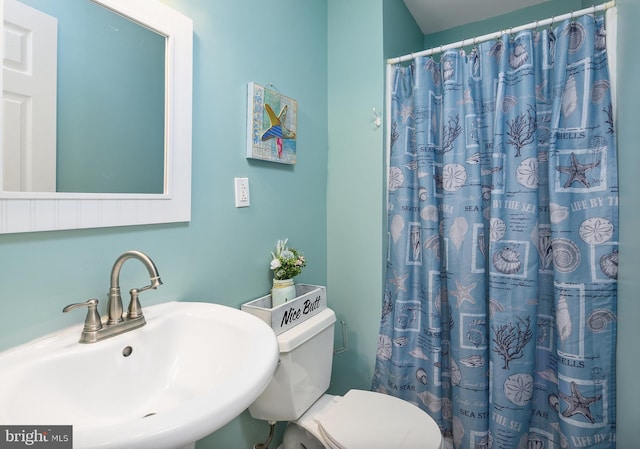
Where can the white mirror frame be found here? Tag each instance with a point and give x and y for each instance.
(30, 212)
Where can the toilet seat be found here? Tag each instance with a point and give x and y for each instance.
(374, 420)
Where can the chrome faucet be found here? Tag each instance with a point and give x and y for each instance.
(117, 322)
(114, 306)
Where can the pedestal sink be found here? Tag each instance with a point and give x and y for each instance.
(189, 371)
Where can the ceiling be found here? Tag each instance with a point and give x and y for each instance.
(437, 15)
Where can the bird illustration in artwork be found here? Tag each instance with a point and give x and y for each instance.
(277, 130)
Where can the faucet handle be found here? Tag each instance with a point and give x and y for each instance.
(135, 309)
(92, 322)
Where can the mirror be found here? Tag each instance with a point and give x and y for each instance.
(161, 145)
(106, 108)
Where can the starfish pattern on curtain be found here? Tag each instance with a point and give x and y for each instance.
(499, 312)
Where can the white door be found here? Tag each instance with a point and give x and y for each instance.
(29, 99)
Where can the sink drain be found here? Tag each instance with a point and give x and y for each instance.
(127, 351)
(148, 414)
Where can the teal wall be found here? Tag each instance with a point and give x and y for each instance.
(355, 182)
(223, 254)
(397, 17)
(330, 205)
(355, 186)
(629, 282)
(520, 17)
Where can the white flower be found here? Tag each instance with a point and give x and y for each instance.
(275, 263)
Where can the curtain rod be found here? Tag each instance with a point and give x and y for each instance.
(498, 34)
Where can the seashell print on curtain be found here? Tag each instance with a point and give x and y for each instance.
(499, 313)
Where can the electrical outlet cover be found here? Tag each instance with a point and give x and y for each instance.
(242, 192)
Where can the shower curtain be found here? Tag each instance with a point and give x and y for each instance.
(499, 311)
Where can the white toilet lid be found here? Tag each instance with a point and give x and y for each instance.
(365, 419)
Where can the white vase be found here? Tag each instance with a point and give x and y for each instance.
(283, 290)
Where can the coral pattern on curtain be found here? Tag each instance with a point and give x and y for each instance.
(499, 314)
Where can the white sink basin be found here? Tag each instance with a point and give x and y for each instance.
(193, 368)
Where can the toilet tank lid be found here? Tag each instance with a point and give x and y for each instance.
(300, 333)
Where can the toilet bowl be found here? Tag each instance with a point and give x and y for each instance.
(358, 420)
(362, 420)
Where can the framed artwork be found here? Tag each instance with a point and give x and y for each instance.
(271, 125)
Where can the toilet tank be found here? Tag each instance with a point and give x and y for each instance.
(304, 370)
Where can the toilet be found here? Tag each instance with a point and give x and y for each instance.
(358, 420)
